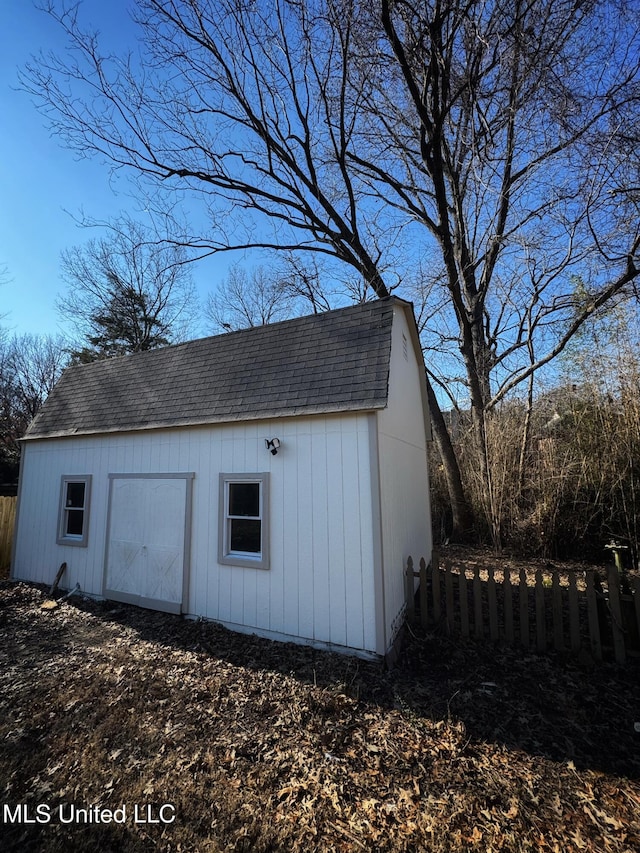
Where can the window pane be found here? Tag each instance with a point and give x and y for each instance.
(245, 535)
(75, 495)
(75, 518)
(244, 499)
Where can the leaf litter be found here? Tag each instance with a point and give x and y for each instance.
(263, 746)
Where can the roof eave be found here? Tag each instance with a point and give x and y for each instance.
(348, 408)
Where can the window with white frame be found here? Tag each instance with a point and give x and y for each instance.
(243, 531)
(73, 521)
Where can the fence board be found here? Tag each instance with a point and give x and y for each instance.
(507, 595)
(493, 606)
(556, 609)
(477, 604)
(435, 582)
(524, 609)
(574, 614)
(424, 603)
(448, 587)
(541, 627)
(464, 604)
(7, 522)
(594, 623)
(616, 614)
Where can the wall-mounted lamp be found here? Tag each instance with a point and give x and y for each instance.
(272, 444)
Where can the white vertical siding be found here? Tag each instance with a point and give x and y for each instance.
(336, 533)
(404, 478)
(286, 516)
(319, 520)
(305, 538)
(320, 582)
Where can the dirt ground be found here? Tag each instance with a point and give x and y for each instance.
(127, 730)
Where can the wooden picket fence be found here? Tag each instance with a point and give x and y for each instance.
(567, 613)
(7, 522)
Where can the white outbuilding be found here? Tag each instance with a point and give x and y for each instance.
(273, 479)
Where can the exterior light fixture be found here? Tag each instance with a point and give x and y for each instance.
(272, 444)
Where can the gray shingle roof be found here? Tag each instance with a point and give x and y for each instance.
(332, 362)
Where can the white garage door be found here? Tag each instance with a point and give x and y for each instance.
(147, 540)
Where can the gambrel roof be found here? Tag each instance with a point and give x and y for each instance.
(332, 362)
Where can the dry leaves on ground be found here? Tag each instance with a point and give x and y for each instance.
(261, 746)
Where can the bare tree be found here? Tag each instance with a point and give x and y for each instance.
(292, 287)
(128, 292)
(244, 300)
(30, 365)
(34, 364)
(486, 140)
(511, 119)
(304, 281)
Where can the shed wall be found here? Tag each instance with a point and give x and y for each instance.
(320, 583)
(404, 477)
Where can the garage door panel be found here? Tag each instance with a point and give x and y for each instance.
(123, 566)
(163, 579)
(165, 514)
(146, 548)
(127, 509)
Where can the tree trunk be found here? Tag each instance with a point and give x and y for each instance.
(462, 516)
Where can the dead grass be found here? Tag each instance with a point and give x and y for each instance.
(268, 747)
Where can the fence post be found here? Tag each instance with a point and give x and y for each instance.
(615, 609)
(409, 592)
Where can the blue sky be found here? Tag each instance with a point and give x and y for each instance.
(42, 185)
